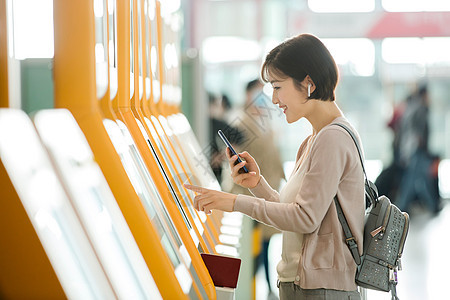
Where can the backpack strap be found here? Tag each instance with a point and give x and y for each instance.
(392, 287)
(349, 238)
(356, 143)
(370, 188)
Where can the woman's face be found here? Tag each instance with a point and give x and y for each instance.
(290, 99)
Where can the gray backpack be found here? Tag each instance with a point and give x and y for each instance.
(385, 231)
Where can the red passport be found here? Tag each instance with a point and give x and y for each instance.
(224, 270)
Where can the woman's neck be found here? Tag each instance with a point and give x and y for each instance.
(324, 113)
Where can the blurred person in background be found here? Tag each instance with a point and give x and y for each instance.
(228, 112)
(259, 140)
(218, 107)
(419, 180)
(316, 262)
(388, 181)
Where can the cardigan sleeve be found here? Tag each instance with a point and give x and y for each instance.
(264, 190)
(327, 162)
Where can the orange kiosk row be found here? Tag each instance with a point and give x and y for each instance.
(114, 161)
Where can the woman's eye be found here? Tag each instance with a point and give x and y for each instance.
(276, 87)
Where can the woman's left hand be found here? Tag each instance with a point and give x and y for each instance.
(207, 199)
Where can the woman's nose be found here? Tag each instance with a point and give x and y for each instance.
(274, 99)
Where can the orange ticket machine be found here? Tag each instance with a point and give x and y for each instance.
(76, 66)
(165, 214)
(23, 260)
(152, 155)
(93, 202)
(45, 253)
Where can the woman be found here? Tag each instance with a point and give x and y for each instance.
(316, 262)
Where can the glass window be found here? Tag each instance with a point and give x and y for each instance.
(154, 65)
(437, 50)
(147, 81)
(357, 55)
(101, 63)
(10, 34)
(427, 51)
(402, 50)
(415, 5)
(325, 6)
(112, 25)
(220, 49)
(131, 50)
(33, 28)
(139, 50)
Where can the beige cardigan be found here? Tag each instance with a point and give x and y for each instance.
(333, 167)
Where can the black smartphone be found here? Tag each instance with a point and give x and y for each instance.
(225, 140)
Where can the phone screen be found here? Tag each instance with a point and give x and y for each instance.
(227, 143)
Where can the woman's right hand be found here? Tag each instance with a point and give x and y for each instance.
(247, 180)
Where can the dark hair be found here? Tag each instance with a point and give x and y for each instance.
(300, 56)
(252, 84)
(422, 90)
(211, 98)
(226, 102)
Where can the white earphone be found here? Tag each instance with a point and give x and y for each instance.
(309, 89)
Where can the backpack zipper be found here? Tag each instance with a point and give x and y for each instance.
(382, 228)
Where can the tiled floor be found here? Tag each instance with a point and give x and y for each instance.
(426, 260)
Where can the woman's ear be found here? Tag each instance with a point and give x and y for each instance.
(311, 87)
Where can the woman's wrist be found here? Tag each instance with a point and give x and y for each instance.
(234, 202)
(257, 183)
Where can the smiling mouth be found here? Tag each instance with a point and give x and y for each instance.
(282, 107)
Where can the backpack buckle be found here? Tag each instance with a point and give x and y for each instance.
(351, 241)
